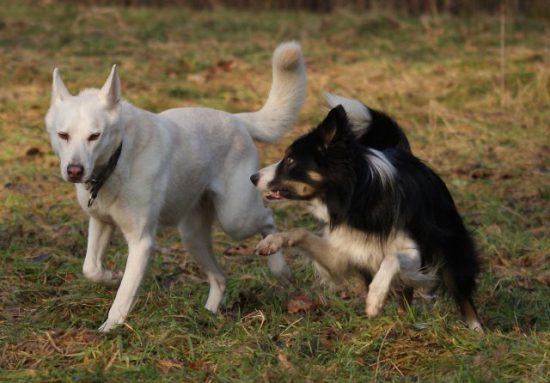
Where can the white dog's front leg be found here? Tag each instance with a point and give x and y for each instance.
(140, 251)
(380, 285)
(99, 235)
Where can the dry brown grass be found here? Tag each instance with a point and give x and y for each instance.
(439, 77)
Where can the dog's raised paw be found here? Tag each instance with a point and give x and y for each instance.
(270, 244)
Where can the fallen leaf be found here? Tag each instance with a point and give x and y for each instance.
(285, 363)
(168, 364)
(544, 278)
(300, 302)
(197, 364)
(237, 250)
(69, 277)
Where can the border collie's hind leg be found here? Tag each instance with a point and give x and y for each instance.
(461, 288)
(196, 234)
(405, 299)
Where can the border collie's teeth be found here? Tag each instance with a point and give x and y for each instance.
(273, 195)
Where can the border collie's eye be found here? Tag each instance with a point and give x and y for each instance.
(64, 136)
(289, 161)
(94, 137)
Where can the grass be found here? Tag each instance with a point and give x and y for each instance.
(440, 77)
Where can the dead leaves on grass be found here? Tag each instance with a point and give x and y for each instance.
(300, 302)
(283, 359)
(212, 71)
(240, 249)
(46, 344)
(544, 278)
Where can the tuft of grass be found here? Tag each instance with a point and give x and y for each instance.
(439, 77)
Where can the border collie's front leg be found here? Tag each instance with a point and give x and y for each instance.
(315, 247)
(380, 285)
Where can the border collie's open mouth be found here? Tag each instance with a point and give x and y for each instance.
(274, 195)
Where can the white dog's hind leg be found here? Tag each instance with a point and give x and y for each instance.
(196, 234)
(140, 248)
(99, 235)
(241, 214)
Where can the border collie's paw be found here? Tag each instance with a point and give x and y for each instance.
(374, 306)
(270, 244)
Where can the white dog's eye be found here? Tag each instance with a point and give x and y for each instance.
(94, 137)
(64, 136)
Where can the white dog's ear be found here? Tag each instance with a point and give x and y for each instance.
(110, 93)
(59, 91)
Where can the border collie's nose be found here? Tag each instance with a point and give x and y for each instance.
(75, 172)
(254, 178)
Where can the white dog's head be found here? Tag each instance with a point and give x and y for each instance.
(85, 130)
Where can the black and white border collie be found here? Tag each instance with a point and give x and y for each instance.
(388, 216)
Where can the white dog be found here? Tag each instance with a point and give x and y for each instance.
(185, 167)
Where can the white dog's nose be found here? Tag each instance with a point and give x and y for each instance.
(75, 172)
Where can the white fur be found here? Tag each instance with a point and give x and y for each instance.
(266, 175)
(382, 166)
(319, 210)
(395, 262)
(184, 167)
(359, 115)
(285, 97)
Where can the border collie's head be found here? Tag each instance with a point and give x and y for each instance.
(313, 164)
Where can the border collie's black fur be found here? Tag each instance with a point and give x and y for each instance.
(372, 184)
(383, 133)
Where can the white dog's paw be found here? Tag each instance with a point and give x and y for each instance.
(112, 278)
(109, 278)
(270, 244)
(280, 269)
(212, 307)
(109, 325)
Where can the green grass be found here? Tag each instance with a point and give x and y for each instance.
(440, 77)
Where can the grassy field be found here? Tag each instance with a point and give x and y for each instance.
(478, 114)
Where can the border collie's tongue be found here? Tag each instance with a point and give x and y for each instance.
(273, 195)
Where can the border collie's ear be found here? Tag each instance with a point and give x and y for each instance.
(335, 121)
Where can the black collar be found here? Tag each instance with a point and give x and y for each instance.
(98, 180)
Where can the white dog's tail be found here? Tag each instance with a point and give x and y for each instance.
(285, 97)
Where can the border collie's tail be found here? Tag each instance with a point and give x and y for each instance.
(285, 97)
(373, 128)
(359, 115)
